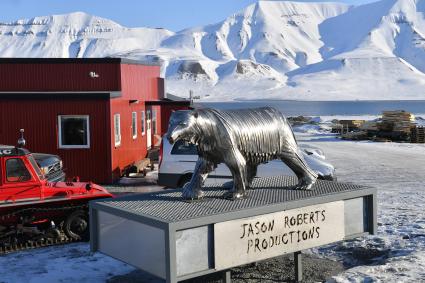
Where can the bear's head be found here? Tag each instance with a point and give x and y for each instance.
(182, 126)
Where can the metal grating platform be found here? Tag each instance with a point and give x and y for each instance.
(168, 206)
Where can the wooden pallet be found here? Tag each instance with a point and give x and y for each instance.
(398, 121)
(418, 135)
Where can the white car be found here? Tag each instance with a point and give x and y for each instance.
(177, 163)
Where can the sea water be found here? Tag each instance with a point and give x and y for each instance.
(323, 108)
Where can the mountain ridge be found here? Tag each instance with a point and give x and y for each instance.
(270, 49)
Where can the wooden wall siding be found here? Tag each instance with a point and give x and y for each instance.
(32, 77)
(39, 119)
(138, 83)
(37, 113)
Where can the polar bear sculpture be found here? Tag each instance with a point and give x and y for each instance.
(242, 139)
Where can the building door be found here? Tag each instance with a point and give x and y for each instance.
(148, 128)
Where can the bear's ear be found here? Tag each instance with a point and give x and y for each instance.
(195, 113)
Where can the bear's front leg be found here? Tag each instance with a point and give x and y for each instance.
(192, 190)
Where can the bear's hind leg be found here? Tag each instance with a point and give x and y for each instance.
(306, 176)
(251, 173)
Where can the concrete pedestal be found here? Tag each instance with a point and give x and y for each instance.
(176, 240)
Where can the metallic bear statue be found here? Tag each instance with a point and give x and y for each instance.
(242, 139)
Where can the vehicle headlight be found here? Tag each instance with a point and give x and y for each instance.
(61, 164)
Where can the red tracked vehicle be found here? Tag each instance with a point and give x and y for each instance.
(35, 212)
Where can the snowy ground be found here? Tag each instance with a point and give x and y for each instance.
(396, 254)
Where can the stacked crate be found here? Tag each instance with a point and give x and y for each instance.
(397, 121)
(347, 126)
(417, 135)
(369, 126)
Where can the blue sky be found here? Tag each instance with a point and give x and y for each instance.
(171, 14)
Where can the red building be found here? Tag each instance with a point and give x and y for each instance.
(100, 115)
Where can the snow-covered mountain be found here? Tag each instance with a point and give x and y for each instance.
(271, 49)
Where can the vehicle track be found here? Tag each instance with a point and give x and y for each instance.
(10, 243)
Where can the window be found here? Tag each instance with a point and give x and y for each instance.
(16, 171)
(35, 166)
(74, 131)
(184, 148)
(142, 122)
(134, 124)
(117, 129)
(154, 121)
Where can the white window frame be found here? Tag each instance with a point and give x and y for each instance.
(134, 125)
(87, 117)
(143, 122)
(117, 140)
(154, 122)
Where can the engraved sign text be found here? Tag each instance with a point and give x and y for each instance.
(251, 239)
